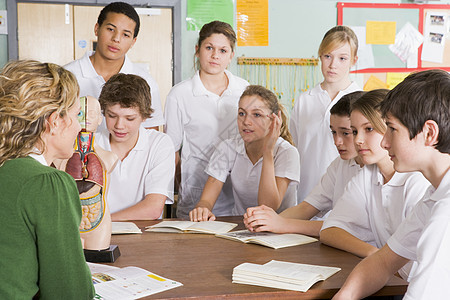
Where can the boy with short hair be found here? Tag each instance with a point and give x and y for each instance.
(116, 29)
(417, 114)
(143, 177)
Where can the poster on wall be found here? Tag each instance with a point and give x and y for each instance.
(252, 17)
(434, 37)
(201, 12)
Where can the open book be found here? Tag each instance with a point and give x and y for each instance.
(282, 275)
(124, 228)
(127, 283)
(211, 227)
(268, 239)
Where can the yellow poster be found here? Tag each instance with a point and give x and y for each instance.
(392, 79)
(252, 22)
(380, 33)
(374, 83)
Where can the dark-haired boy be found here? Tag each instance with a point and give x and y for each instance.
(417, 114)
(142, 180)
(116, 29)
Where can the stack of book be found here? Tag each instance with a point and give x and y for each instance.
(282, 275)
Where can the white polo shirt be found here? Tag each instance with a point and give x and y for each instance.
(310, 129)
(91, 84)
(230, 158)
(425, 237)
(332, 185)
(149, 168)
(371, 210)
(197, 120)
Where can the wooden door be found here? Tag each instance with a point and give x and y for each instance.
(45, 32)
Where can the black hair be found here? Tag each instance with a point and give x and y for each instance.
(120, 8)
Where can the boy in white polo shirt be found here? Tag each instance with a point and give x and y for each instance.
(417, 114)
(116, 30)
(143, 178)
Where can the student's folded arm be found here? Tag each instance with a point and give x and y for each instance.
(203, 209)
(371, 274)
(150, 208)
(342, 239)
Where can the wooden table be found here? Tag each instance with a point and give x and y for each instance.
(204, 264)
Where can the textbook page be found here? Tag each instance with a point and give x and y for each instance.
(269, 239)
(284, 275)
(127, 283)
(210, 227)
(124, 228)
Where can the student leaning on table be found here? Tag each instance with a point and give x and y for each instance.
(377, 199)
(142, 180)
(41, 252)
(201, 112)
(325, 194)
(417, 114)
(262, 163)
(116, 29)
(310, 118)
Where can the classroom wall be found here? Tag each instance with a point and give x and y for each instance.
(295, 30)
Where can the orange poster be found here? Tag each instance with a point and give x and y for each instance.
(252, 22)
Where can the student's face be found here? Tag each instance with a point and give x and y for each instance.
(367, 140)
(403, 151)
(123, 124)
(336, 64)
(253, 120)
(115, 36)
(343, 136)
(215, 54)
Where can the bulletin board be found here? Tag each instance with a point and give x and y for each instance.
(384, 60)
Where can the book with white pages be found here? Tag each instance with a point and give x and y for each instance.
(268, 239)
(282, 275)
(127, 283)
(209, 227)
(124, 228)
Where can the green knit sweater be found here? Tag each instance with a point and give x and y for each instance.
(40, 247)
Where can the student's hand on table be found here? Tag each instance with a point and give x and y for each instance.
(263, 218)
(274, 131)
(200, 214)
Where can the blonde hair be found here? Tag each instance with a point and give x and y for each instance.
(30, 92)
(369, 106)
(337, 37)
(271, 100)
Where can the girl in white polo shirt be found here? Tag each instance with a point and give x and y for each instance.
(262, 163)
(378, 199)
(201, 112)
(310, 118)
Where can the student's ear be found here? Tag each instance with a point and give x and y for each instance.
(134, 41)
(96, 29)
(196, 50)
(355, 59)
(232, 54)
(431, 133)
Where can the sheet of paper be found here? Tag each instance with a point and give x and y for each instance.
(407, 41)
(392, 79)
(252, 17)
(380, 33)
(200, 12)
(365, 52)
(434, 37)
(374, 83)
(124, 228)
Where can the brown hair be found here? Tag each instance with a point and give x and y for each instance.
(271, 100)
(422, 96)
(336, 37)
(30, 91)
(215, 27)
(127, 90)
(368, 105)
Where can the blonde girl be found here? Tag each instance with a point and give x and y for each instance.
(201, 112)
(262, 163)
(41, 209)
(377, 199)
(310, 118)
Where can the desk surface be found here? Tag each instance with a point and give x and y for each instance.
(204, 264)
